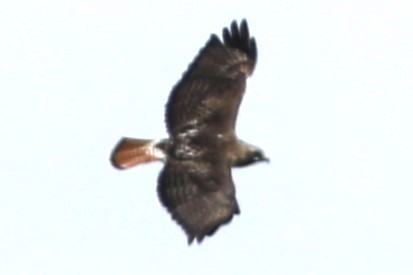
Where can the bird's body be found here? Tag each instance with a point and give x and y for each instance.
(195, 184)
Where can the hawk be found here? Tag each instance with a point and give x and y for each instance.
(196, 185)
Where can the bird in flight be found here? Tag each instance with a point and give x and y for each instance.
(196, 185)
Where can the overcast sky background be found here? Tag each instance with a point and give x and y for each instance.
(330, 102)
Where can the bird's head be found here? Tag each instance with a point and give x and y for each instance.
(258, 155)
(246, 154)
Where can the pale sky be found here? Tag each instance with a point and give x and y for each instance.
(331, 103)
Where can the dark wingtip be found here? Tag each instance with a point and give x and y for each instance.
(238, 37)
(190, 239)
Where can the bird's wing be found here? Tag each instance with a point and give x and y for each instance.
(210, 92)
(199, 194)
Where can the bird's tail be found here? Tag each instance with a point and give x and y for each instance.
(130, 152)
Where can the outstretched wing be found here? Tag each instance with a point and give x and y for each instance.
(199, 194)
(196, 185)
(210, 92)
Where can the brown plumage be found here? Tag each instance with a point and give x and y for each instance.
(195, 184)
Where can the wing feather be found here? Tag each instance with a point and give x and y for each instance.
(211, 90)
(200, 195)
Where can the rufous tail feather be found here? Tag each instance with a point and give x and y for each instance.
(130, 152)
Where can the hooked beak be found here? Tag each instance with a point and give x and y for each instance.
(265, 159)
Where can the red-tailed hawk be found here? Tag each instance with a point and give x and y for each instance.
(195, 184)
